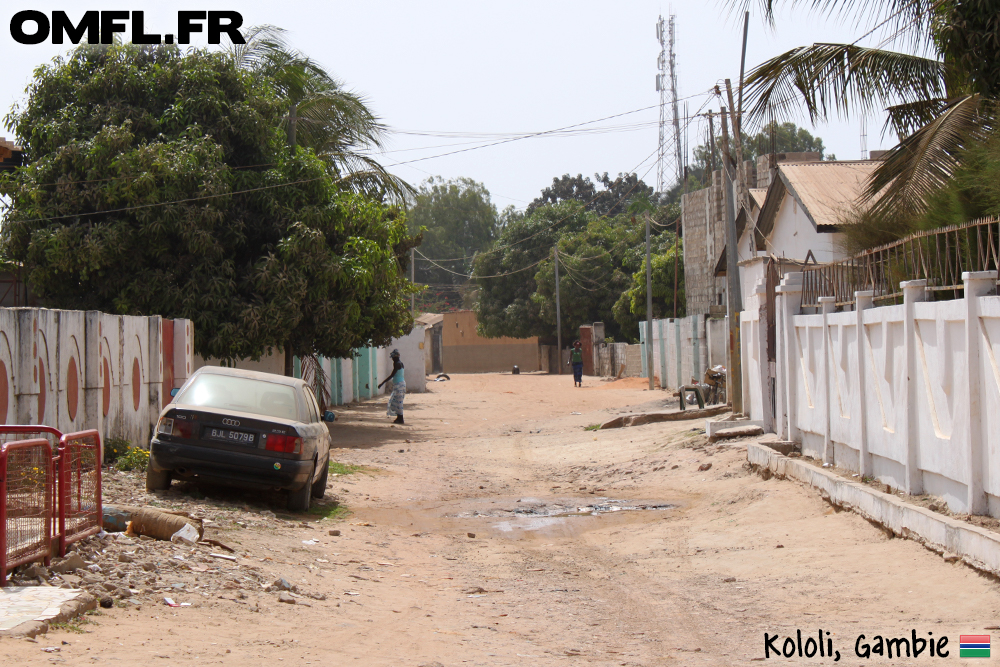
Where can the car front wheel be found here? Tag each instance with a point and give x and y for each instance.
(298, 501)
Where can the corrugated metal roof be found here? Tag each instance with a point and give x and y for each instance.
(428, 319)
(758, 194)
(827, 190)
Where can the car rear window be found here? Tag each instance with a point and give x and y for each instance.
(243, 394)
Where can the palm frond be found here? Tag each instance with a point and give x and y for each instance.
(260, 44)
(903, 20)
(338, 118)
(839, 79)
(904, 119)
(924, 162)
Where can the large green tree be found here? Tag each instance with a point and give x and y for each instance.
(159, 182)
(457, 220)
(775, 138)
(598, 256)
(611, 199)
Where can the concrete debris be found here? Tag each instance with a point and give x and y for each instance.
(73, 561)
(736, 432)
(286, 597)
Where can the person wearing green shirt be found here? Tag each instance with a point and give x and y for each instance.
(576, 359)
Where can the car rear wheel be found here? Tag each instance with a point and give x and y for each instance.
(298, 501)
(319, 488)
(157, 480)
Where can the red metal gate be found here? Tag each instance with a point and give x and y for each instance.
(27, 474)
(70, 482)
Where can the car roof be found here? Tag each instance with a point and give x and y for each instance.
(252, 375)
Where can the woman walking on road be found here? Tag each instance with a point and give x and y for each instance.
(398, 388)
(576, 358)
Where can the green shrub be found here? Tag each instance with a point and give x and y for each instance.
(115, 448)
(133, 459)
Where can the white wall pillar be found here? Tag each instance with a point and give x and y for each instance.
(827, 305)
(913, 291)
(788, 302)
(977, 284)
(862, 301)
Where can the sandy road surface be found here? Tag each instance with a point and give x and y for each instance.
(698, 582)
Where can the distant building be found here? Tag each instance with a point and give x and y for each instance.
(465, 351)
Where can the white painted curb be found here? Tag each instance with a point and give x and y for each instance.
(976, 546)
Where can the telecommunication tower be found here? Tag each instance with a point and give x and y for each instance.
(666, 84)
(661, 88)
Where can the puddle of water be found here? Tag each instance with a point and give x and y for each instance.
(524, 518)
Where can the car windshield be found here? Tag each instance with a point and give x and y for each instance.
(228, 392)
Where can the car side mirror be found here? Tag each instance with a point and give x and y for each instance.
(329, 416)
(174, 392)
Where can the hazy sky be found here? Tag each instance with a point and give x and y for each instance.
(485, 70)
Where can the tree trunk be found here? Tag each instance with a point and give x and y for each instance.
(289, 362)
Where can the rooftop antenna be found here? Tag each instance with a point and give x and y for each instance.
(864, 139)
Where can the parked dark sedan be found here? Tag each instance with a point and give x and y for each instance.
(243, 428)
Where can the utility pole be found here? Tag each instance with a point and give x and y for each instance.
(735, 299)
(413, 279)
(738, 140)
(711, 141)
(555, 254)
(649, 309)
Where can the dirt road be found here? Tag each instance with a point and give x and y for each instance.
(464, 544)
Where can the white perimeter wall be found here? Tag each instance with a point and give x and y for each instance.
(689, 344)
(907, 394)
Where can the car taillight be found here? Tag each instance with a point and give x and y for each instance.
(183, 429)
(175, 427)
(288, 444)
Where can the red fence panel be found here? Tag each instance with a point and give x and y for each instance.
(27, 477)
(79, 507)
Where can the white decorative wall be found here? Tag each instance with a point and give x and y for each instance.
(76, 370)
(908, 394)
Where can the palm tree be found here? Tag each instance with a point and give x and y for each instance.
(941, 97)
(322, 115)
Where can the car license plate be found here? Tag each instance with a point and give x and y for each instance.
(225, 435)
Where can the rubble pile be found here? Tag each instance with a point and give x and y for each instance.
(136, 569)
(127, 569)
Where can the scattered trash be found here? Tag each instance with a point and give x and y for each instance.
(170, 602)
(187, 534)
(576, 413)
(217, 543)
(52, 649)
(310, 542)
(224, 557)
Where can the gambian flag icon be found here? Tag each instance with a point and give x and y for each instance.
(974, 646)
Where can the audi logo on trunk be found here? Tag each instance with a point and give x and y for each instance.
(231, 422)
